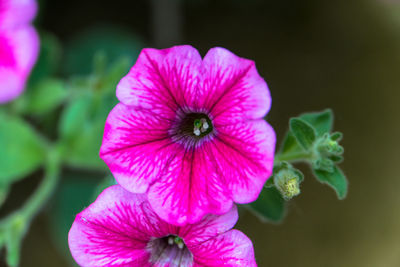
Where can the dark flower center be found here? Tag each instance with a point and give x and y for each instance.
(195, 125)
(170, 250)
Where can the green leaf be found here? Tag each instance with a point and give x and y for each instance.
(84, 149)
(81, 130)
(82, 126)
(74, 117)
(336, 179)
(22, 150)
(270, 206)
(46, 95)
(82, 121)
(321, 121)
(304, 132)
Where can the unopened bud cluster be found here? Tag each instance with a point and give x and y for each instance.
(328, 152)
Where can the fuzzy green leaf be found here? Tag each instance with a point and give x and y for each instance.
(303, 132)
(321, 121)
(336, 179)
(270, 206)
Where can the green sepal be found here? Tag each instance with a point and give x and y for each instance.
(22, 150)
(270, 206)
(324, 164)
(335, 179)
(336, 159)
(303, 132)
(327, 152)
(284, 165)
(336, 136)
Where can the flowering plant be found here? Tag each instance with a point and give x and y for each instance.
(185, 145)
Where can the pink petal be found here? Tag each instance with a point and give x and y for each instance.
(232, 88)
(136, 147)
(244, 152)
(231, 249)
(14, 13)
(18, 52)
(209, 227)
(24, 43)
(115, 230)
(7, 57)
(190, 188)
(164, 81)
(11, 84)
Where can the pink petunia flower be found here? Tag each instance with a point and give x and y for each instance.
(121, 229)
(19, 46)
(190, 132)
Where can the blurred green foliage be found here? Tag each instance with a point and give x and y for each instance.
(94, 62)
(114, 42)
(23, 150)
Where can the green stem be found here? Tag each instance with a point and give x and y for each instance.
(14, 227)
(45, 189)
(297, 156)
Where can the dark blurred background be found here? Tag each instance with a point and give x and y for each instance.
(313, 54)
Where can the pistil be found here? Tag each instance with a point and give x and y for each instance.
(200, 126)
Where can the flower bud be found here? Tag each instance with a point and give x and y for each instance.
(287, 180)
(328, 152)
(328, 145)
